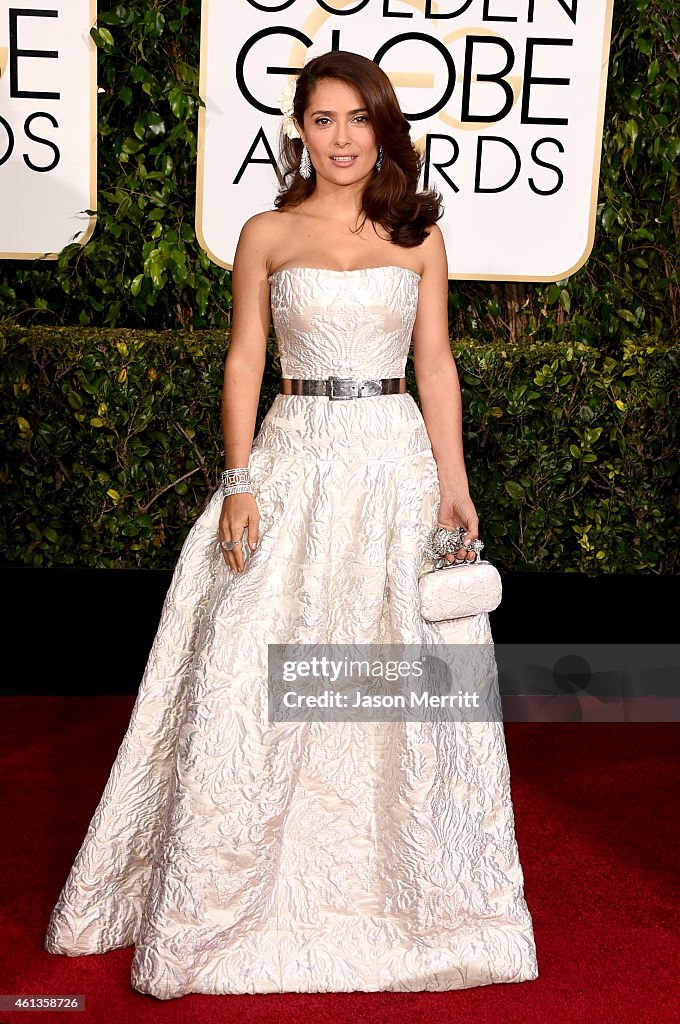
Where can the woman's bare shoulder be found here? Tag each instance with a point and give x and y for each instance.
(434, 238)
(262, 233)
(260, 225)
(433, 248)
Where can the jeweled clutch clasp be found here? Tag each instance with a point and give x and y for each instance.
(443, 542)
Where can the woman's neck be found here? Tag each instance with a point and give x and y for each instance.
(340, 204)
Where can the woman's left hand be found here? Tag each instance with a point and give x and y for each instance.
(456, 509)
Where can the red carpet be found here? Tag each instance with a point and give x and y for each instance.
(596, 813)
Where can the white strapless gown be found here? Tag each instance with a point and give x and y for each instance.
(240, 856)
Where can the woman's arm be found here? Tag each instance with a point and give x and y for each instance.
(439, 388)
(245, 361)
(435, 367)
(243, 370)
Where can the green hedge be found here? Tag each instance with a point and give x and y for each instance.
(112, 445)
(144, 268)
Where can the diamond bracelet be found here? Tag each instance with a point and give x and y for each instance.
(236, 481)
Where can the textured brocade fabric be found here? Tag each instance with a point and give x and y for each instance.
(240, 856)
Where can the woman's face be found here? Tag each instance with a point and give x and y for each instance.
(338, 133)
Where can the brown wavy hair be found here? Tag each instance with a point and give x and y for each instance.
(391, 197)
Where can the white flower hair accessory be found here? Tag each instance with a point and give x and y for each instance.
(286, 105)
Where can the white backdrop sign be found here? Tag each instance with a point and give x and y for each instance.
(48, 126)
(505, 100)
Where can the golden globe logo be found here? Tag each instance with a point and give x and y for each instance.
(505, 100)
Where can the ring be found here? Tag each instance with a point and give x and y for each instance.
(229, 545)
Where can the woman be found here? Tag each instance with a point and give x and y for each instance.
(240, 854)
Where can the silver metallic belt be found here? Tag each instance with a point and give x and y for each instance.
(344, 387)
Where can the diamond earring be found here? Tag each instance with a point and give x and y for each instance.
(379, 161)
(305, 164)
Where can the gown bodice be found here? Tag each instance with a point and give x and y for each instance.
(347, 323)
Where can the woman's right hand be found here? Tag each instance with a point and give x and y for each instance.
(238, 511)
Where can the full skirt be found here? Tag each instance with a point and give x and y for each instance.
(243, 856)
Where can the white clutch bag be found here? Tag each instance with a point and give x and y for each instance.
(455, 590)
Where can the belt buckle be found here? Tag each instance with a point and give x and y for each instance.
(371, 386)
(342, 387)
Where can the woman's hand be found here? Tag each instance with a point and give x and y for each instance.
(238, 511)
(457, 509)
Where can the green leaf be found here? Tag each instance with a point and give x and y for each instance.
(178, 102)
(156, 272)
(156, 123)
(514, 489)
(626, 315)
(131, 145)
(102, 37)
